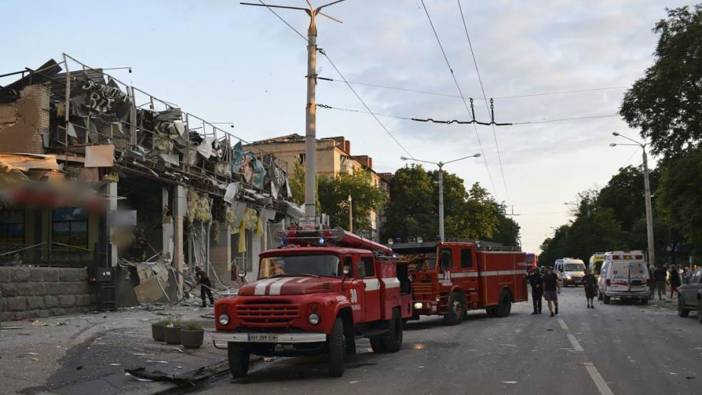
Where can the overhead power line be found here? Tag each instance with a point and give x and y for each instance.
(345, 80)
(482, 89)
(460, 92)
(448, 95)
(463, 122)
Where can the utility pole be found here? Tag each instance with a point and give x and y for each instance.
(441, 186)
(311, 107)
(647, 198)
(649, 211)
(441, 201)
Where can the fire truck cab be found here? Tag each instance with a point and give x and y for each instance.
(315, 294)
(451, 278)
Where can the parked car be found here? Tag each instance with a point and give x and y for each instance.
(690, 295)
(624, 276)
(570, 271)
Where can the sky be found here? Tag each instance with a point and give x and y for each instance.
(231, 63)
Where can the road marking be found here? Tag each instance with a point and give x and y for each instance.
(574, 343)
(597, 378)
(563, 324)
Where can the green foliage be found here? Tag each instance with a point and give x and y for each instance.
(333, 196)
(468, 215)
(665, 103)
(297, 184)
(679, 195)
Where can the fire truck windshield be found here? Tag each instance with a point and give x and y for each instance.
(299, 265)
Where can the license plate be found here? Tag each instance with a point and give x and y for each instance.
(263, 338)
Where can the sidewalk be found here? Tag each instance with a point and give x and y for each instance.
(88, 353)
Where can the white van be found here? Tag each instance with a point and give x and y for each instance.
(570, 271)
(624, 275)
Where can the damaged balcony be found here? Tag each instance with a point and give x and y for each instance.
(168, 190)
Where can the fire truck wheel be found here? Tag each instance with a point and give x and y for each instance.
(337, 349)
(606, 299)
(238, 360)
(391, 341)
(456, 306)
(505, 306)
(491, 311)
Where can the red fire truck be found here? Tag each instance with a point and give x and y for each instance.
(452, 277)
(315, 295)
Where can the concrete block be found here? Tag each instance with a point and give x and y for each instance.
(35, 274)
(39, 289)
(42, 313)
(54, 288)
(22, 315)
(35, 302)
(50, 275)
(73, 275)
(21, 274)
(51, 301)
(26, 289)
(67, 300)
(77, 288)
(5, 274)
(8, 289)
(17, 303)
(57, 311)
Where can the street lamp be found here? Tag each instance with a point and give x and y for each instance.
(647, 195)
(441, 184)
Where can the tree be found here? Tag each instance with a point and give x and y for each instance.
(468, 215)
(333, 196)
(679, 195)
(665, 103)
(410, 211)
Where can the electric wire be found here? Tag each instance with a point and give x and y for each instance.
(456, 121)
(452, 96)
(344, 79)
(487, 107)
(460, 92)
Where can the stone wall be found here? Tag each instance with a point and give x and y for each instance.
(29, 292)
(23, 122)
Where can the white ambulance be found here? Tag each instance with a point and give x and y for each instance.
(624, 276)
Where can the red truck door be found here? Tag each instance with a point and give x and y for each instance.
(354, 287)
(467, 277)
(371, 286)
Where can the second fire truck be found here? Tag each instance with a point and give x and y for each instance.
(451, 278)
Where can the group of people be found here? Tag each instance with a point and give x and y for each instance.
(659, 277)
(546, 285)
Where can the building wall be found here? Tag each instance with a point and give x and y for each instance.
(23, 122)
(29, 292)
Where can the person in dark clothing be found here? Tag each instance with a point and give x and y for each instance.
(551, 288)
(675, 281)
(659, 274)
(205, 287)
(537, 289)
(590, 285)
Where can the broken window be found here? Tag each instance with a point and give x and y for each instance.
(70, 226)
(12, 227)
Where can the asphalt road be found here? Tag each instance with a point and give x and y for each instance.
(612, 349)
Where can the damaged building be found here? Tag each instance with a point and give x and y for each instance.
(112, 197)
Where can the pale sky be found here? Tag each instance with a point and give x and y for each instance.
(228, 62)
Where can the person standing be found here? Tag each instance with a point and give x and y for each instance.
(590, 285)
(551, 288)
(205, 286)
(537, 289)
(674, 280)
(660, 275)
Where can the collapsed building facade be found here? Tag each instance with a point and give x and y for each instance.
(126, 192)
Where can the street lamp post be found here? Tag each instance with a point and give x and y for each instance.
(647, 197)
(441, 185)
